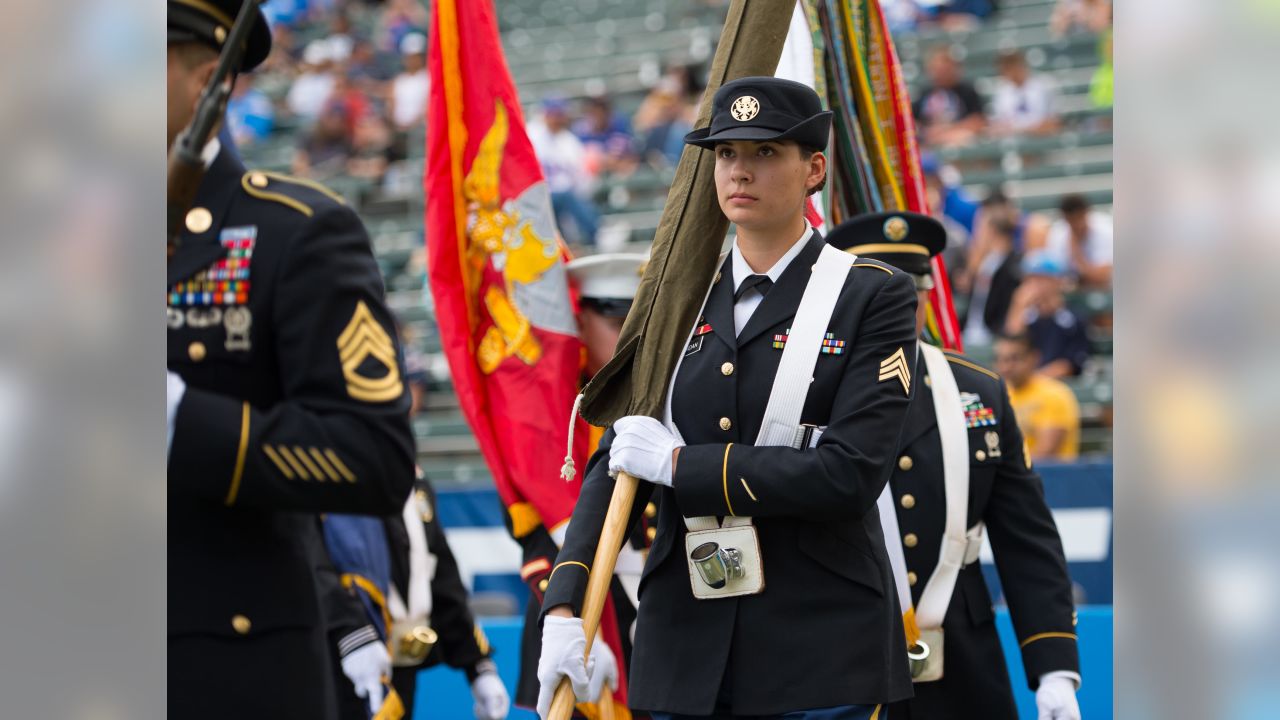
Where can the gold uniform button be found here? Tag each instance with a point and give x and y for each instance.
(928, 381)
(726, 369)
(650, 511)
(908, 501)
(220, 34)
(241, 624)
(542, 585)
(725, 423)
(258, 180)
(199, 219)
(980, 455)
(713, 282)
(910, 540)
(651, 533)
(905, 463)
(911, 579)
(196, 351)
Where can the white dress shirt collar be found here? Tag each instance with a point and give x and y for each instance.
(741, 269)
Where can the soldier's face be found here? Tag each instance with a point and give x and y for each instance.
(762, 185)
(189, 68)
(600, 337)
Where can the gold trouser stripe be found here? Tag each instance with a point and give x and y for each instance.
(724, 479)
(747, 487)
(284, 469)
(567, 562)
(876, 714)
(328, 469)
(342, 467)
(1046, 636)
(293, 462)
(238, 473)
(481, 641)
(302, 455)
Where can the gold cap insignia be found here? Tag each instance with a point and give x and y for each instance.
(744, 108)
(364, 338)
(895, 367)
(895, 228)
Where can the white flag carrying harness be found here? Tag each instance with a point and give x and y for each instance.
(959, 548)
(411, 633)
(732, 547)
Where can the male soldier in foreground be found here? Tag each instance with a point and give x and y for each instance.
(987, 461)
(284, 399)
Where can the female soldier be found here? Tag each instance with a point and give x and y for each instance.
(787, 604)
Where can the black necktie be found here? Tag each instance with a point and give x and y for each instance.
(760, 282)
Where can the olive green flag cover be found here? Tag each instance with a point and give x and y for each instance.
(687, 244)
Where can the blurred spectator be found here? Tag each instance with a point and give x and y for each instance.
(1102, 84)
(661, 123)
(372, 148)
(949, 111)
(901, 15)
(311, 89)
(1039, 309)
(563, 161)
(957, 15)
(351, 100)
(606, 137)
(1047, 411)
(994, 272)
(364, 68)
(957, 236)
(250, 115)
(325, 150)
(399, 18)
(956, 203)
(415, 367)
(1082, 240)
(410, 88)
(1090, 15)
(1024, 104)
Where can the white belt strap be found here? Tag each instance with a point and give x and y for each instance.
(795, 369)
(955, 463)
(422, 569)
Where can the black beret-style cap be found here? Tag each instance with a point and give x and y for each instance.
(210, 21)
(905, 240)
(765, 108)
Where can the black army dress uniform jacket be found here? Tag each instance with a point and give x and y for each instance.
(1006, 494)
(826, 630)
(294, 405)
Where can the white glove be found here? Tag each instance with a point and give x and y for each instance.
(492, 701)
(173, 398)
(563, 645)
(643, 448)
(365, 667)
(1056, 698)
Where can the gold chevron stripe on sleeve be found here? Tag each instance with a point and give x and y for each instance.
(364, 338)
(279, 462)
(895, 367)
(341, 466)
(293, 462)
(311, 467)
(324, 464)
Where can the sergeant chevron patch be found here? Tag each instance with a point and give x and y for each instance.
(895, 366)
(364, 339)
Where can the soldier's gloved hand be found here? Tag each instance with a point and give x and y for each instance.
(173, 398)
(643, 448)
(365, 667)
(492, 701)
(1056, 698)
(563, 645)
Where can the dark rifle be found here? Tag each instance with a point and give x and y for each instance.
(186, 166)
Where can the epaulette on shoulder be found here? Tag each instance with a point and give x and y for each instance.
(957, 359)
(874, 264)
(300, 194)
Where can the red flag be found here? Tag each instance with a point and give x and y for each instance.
(497, 272)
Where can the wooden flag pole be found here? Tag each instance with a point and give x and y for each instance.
(750, 44)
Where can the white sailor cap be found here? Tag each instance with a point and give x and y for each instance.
(608, 281)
